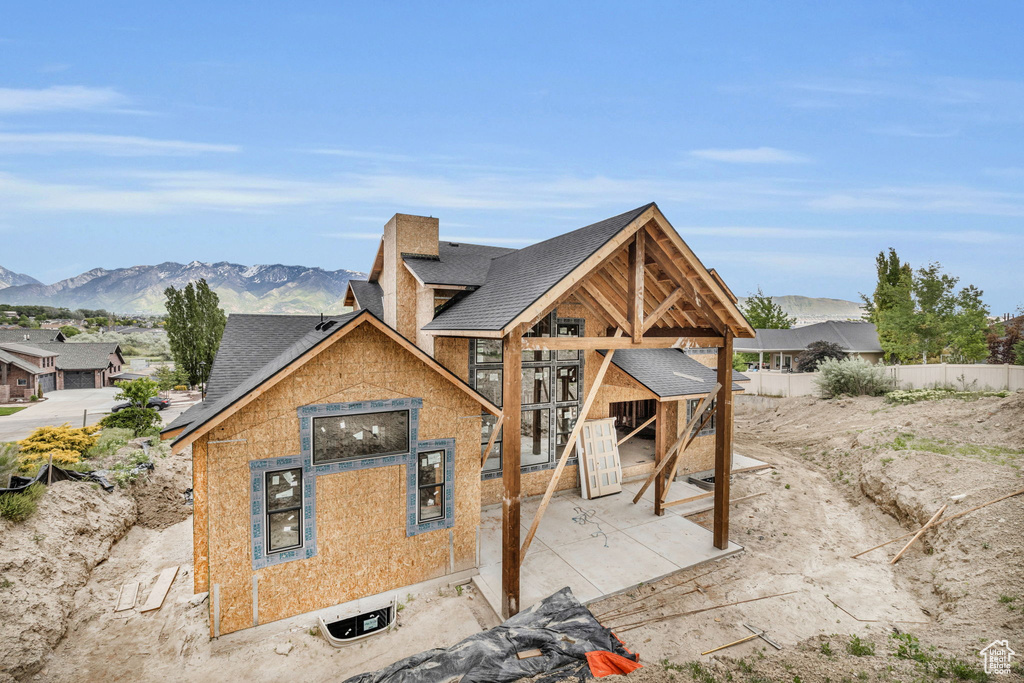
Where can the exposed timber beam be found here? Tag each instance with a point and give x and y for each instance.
(635, 289)
(604, 343)
(591, 304)
(606, 305)
(569, 447)
(498, 424)
(512, 346)
(662, 308)
(723, 445)
(665, 262)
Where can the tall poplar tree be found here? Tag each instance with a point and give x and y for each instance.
(194, 327)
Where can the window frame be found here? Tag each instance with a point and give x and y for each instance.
(443, 485)
(691, 406)
(346, 458)
(268, 513)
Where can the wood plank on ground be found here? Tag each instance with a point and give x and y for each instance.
(126, 598)
(160, 589)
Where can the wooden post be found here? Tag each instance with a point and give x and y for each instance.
(723, 444)
(85, 418)
(511, 387)
(635, 289)
(660, 441)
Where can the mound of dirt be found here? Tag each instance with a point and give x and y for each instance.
(45, 559)
(160, 492)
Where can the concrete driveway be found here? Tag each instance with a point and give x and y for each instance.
(58, 408)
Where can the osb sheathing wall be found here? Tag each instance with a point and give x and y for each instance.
(362, 547)
(200, 517)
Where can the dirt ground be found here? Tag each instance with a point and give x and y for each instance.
(848, 475)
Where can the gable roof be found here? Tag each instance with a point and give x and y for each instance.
(333, 329)
(669, 372)
(852, 337)
(82, 356)
(28, 350)
(23, 364)
(17, 335)
(249, 341)
(368, 295)
(518, 278)
(457, 263)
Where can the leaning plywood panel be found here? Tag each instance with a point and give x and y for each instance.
(160, 588)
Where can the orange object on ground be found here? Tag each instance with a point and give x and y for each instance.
(608, 664)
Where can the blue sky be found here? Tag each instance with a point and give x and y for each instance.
(787, 142)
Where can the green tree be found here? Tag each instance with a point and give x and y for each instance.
(933, 291)
(764, 314)
(891, 305)
(168, 377)
(967, 327)
(69, 331)
(137, 391)
(194, 326)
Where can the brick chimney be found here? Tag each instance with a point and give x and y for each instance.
(404, 234)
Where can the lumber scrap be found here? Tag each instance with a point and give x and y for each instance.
(735, 642)
(127, 597)
(569, 446)
(666, 617)
(731, 502)
(941, 522)
(918, 534)
(671, 451)
(160, 589)
(679, 454)
(529, 654)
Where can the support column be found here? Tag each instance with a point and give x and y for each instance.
(723, 443)
(512, 347)
(661, 438)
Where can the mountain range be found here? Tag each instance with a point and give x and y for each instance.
(808, 310)
(140, 289)
(265, 289)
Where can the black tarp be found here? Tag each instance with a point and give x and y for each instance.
(563, 629)
(19, 484)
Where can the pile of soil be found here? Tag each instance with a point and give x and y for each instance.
(47, 558)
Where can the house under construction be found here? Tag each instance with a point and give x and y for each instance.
(426, 433)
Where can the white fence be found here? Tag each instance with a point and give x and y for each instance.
(968, 377)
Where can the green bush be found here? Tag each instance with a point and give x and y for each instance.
(124, 472)
(18, 507)
(908, 396)
(141, 421)
(851, 377)
(860, 648)
(110, 440)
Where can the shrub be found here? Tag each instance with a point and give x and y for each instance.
(66, 444)
(852, 377)
(8, 463)
(18, 507)
(111, 439)
(124, 472)
(908, 396)
(181, 387)
(809, 359)
(860, 648)
(137, 391)
(141, 421)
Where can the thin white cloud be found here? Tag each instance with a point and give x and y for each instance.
(360, 154)
(830, 265)
(60, 97)
(924, 198)
(109, 145)
(754, 155)
(915, 132)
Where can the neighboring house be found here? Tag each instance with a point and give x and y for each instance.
(24, 370)
(337, 458)
(23, 334)
(855, 338)
(86, 365)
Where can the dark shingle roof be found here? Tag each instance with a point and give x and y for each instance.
(310, 338)
(520, 277)
(27, 350)
(249, 342)
(369, 295)
(17, 336)
(457, 264)
(83, 356)
(852, 337)
(23, 364)
(657, 370)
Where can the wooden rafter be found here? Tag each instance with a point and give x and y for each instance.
(569, 446)
(635, 290)
(591, 304)
(604, 343)
(693, 296)
(662, 308)
(595, 291)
